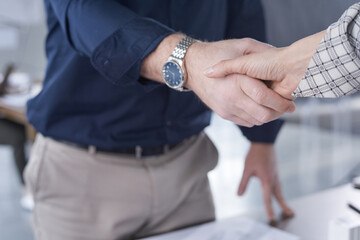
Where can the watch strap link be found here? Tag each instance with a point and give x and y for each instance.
(180, 50)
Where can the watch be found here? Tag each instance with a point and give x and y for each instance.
(172, 71)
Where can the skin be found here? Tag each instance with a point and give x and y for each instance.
(283, 67)
(261, 163)
(241, 99)
(237, 98)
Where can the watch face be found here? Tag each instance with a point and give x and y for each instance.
(172, 74)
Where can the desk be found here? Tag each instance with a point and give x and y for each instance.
(13, 108)
(313, 214)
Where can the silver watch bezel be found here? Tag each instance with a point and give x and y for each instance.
(179, 63)
(177, 57)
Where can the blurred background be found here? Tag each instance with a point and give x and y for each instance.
(318, 148)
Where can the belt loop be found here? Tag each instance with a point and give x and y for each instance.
(138, 151)
(92, 150)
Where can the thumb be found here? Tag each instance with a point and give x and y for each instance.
(228, 67)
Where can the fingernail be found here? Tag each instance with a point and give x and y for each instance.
(290, 110)
(209, 71)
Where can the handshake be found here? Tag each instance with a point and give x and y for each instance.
(248, 82)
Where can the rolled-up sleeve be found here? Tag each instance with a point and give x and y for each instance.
(334, 70)
(115, 39)
(266, 133)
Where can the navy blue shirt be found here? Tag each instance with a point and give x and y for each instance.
(93, 93)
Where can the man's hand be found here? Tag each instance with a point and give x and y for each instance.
(240, 99)
(284, 66)
(261, 163)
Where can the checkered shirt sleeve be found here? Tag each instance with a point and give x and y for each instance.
(334, 69)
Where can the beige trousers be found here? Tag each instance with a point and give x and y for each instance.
(96, 196)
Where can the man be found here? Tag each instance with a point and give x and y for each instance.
(122, 155)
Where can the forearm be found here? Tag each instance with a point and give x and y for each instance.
(265, 134)
(117, 42)
(298, 55)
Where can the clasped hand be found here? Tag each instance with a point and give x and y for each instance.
(250, 83)
(280, 68)
(233, 94)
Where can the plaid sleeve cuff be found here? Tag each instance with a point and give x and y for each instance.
(334, 69)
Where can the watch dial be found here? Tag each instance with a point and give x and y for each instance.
(172, 74)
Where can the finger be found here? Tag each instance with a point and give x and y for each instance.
(279, 197)
(261, 94)
(242, 116)
(244, 182)
(228, 67)
(267, 199)
(238, 65)
(240, 121)
(260, 113)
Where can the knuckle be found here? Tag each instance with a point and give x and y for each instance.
(248, 123)
(285, 106)
(259, 123)
(266, 116)
(247, 41)
(245, 123)
(259, 95)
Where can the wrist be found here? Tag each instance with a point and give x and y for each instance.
(258, 145)
(298, 55)
(191, 60)
(151, 67)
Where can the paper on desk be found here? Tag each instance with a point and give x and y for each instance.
(230, 229)
(19, 100)
(239, 229)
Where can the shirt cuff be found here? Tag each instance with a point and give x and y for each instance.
(120, 56)
(266, 133)
(334, 69)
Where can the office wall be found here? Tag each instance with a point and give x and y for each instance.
(22, 23)
(287, 21)
(290, 20)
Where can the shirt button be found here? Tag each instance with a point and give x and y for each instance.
(106, 62)
(169, 123)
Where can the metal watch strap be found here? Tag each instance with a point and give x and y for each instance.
(179, 54)
(181, 49)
